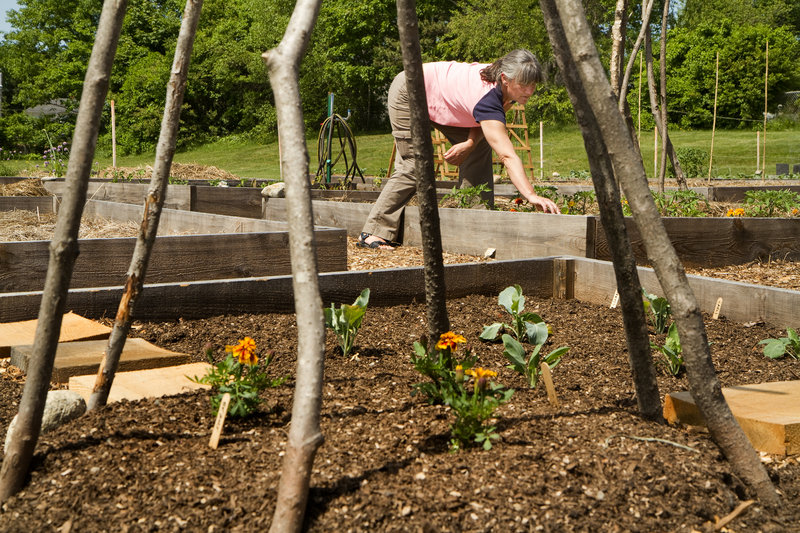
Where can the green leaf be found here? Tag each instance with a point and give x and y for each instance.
(512, 300)
(363, 299)
(514, 352)
(536, 332)
(553, 358)
(489, 333)
(775, 348)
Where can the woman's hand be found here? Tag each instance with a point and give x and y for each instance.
(459, 152)
(545, 204)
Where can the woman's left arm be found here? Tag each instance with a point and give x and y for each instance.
(497, 136)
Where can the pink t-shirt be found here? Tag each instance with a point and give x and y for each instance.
(454, 90)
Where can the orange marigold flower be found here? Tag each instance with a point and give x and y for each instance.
(512, 209)
(795, 211)
(518, 201)
(481, 376)
(449, 341)
(245, 351)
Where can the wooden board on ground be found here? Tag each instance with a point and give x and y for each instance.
(769, 413)
(84, 357)
(73, 328)
(150, 383)
(44, 204)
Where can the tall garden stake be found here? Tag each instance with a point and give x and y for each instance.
(703, 382)
(63, 251)
(435, 294)
(613, 220)
(305, 435)
(154, 202)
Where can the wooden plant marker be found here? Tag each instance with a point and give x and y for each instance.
(220, 421)
(615, 300)
(717, 308)
(547, 377)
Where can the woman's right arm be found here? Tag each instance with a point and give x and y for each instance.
(497, 136)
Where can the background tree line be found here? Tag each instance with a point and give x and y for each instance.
(355, 53)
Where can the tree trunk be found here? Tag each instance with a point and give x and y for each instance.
(618, 45)
(703, 382)
(608, 197)
(657, 117)
(305, 435)
(647, 8)
(153, 204)
(435, 295)
(63, 251)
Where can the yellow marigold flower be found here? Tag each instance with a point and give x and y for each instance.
(481, 376)
(245, 351)
(479, 372)
(738, 212)
(449, 341)
(795, 211)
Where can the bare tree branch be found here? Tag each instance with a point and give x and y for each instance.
(154, 202)
(704, 385)
(305, 435)
(63, 251)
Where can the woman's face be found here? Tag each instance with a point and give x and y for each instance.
(517, 92)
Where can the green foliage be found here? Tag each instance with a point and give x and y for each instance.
(530, 367)
(659, 309)
(474, 408)
(468, 196)
(445, 372)
(524, 326)
(346, 321)
(239, 375)
(577, 203)
(680, 203)
(777, 348)
(764, 203)
(691, 59)
(672, 350)
(693, 161)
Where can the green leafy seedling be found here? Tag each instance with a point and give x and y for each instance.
(524, 326)
(530, 367)
(346, 320)
(659, 309)
(777, 348)
(672, 350)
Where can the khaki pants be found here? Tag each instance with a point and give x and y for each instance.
(385, 219)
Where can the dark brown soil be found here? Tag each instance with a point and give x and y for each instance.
(592, 465)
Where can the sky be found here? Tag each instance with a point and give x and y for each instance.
(6, 5)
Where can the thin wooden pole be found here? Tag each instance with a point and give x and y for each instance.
(758, 150)
(766, 77)
(541, 150)
(113, 138)
(655, 152)
(714, 123)
(639, 134)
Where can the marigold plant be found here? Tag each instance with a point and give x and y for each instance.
(239, 375)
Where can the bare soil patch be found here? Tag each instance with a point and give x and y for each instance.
(592, 465)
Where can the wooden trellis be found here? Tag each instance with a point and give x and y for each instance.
(517, 132)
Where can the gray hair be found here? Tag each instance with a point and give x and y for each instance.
(518, 65)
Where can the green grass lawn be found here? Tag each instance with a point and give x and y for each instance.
(734, 153)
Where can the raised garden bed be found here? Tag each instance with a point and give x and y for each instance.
(216, 247)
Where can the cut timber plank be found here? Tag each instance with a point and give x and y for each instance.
(73, 328)
(84, 357)
(769, 413)
(151, 383)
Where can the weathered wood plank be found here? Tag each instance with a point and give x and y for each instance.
(232, 201)
(714, 242)
(105, 262)
(43, 204)
(465, 231)
(767, 413)
(737, 194)
(151, 383)
(177, 197)
(274, 294)
(80, 358)
(73, 328)
(742, 302)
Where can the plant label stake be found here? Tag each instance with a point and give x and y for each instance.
(220, 421)
(547, 376)
(615, 300)
(717, 308)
